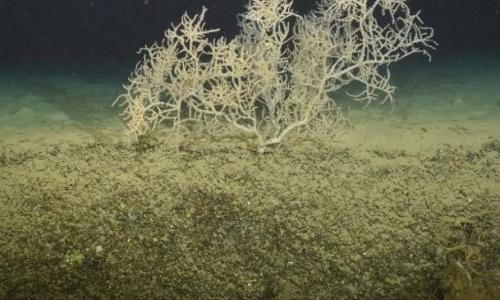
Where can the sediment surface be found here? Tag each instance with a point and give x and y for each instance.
(116, 220)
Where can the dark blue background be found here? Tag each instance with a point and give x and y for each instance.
(113, 30)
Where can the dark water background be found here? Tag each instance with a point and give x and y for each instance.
(107, 31)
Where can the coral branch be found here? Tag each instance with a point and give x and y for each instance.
(275, 76)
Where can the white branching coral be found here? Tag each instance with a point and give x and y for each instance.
(277, 74)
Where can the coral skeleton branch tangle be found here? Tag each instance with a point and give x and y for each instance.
(277, 74)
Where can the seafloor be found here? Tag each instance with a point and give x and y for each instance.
(404, 204)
